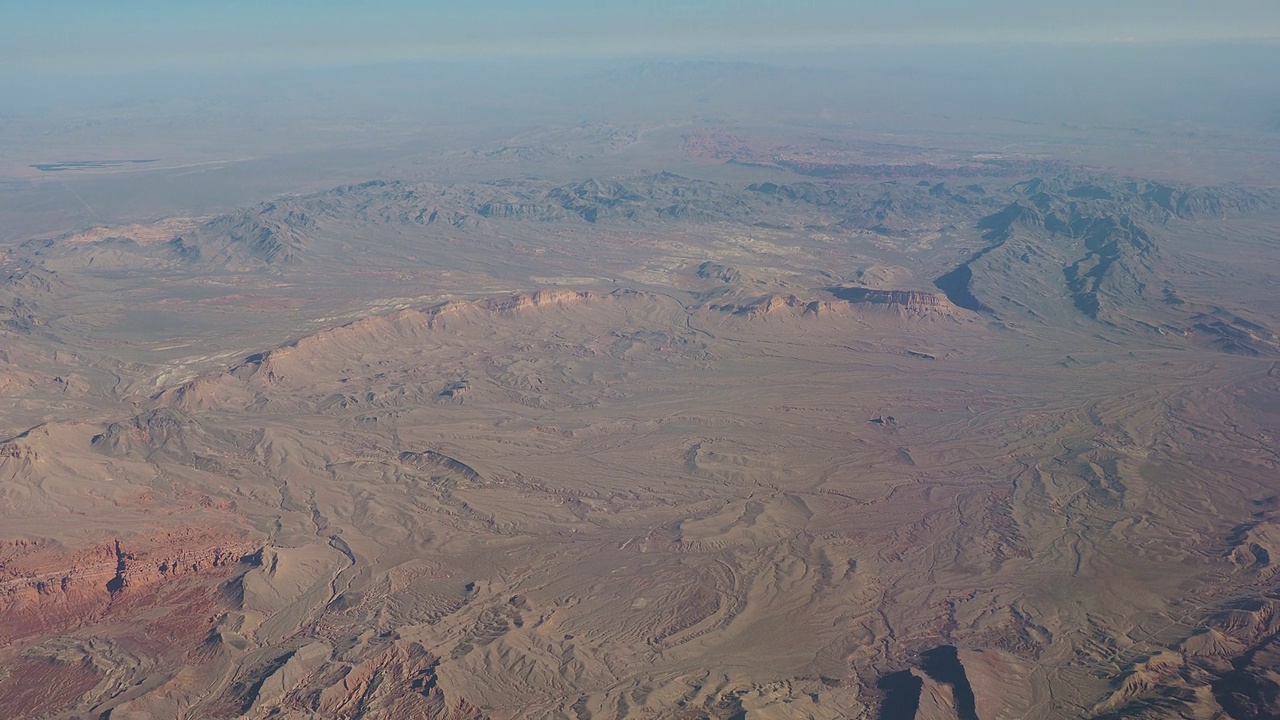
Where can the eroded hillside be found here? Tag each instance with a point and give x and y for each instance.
(648, 447)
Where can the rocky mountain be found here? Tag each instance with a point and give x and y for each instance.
(287, 231)
(1097, 245)
(415, 448)
(1055, 248)
(272, 234)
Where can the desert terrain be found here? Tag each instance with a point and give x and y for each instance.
(678, 419)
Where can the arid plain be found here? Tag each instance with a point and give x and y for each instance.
(898, 433)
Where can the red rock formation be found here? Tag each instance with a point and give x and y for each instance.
(44, 589)
(32, 687)
(398, 682)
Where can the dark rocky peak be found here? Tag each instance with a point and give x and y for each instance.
(665, 184)
(665, 178)
(284, 213)
(715, 271)
(271, 233)
(514, 208)
(1042, 200)
(606, 193)
(1029, 187)
(1084, 207)
(38, 244)
(1098, 232)
(1090, 191)
(360, 200)
(360, 188)
(815, 194)
(1073, 184)
(278, 214)
(1205, 202)
(999, 226)
(163, 420)
(148, 432)
(1151, 200)
(884, 207)
(29, 281)
(175, 436)
(769, 188)
(894, 208)
(663, 195)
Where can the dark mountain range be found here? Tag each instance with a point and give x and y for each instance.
(1054, 250)
(277, 233)
(1096, 244)
(270, 233)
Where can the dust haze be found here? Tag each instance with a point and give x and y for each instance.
(905, 381)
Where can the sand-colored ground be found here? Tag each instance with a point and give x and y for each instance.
(753, 491)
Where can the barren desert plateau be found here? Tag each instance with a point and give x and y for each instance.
(708, 416)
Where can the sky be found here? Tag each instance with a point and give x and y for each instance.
(94, 37)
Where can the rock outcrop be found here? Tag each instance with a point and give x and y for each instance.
(908, 301)
(45, 588)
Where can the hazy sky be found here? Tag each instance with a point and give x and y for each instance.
(79, 36)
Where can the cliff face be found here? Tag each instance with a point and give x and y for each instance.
(767, 306)
(910, 300)
(857, 302)
(45, 589)
(401, 326)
